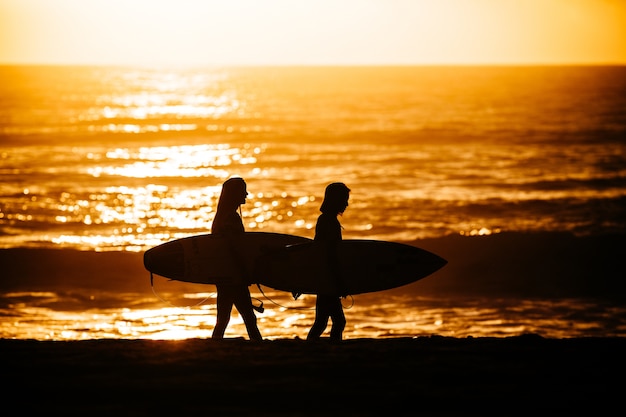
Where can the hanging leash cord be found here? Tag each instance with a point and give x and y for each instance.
(351, 302)
(258, 308)
(296, 308)
(167, 302)
(278, 304)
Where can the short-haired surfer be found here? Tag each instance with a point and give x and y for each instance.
(328, 232)
(228, 223)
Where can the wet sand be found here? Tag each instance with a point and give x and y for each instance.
(291, 377)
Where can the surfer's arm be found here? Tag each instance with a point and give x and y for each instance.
(335, 268)
(234, 243)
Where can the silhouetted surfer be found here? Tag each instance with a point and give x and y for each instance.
(227, 222)
(328, 232)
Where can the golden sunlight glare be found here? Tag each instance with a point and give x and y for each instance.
(324, 32)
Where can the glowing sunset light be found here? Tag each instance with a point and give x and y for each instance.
(282, 32)
(134, 212)
(174, 161)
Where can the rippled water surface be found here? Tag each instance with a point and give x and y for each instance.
(67, 316)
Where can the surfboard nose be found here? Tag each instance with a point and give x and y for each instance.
(165, 260)
(149, 259)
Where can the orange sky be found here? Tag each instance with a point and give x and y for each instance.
(313, 32)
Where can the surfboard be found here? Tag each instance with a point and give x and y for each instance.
(211, 259)
(362, 265)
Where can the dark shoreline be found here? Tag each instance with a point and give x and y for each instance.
(434, 375)
(291, 377)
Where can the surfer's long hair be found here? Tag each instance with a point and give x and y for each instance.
(335, 198)
(233, 190)
(226, 219)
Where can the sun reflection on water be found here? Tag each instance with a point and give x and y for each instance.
(174, 161)
(57, 316)
(140, 214)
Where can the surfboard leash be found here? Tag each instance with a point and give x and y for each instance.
(280, 305)
(173, 305)
(260, 307)
(351, 302)
(295, 298)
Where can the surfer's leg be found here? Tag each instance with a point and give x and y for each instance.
(224, 307)
(250, 321)
(339, 321)
(243, 303)
(321, 318)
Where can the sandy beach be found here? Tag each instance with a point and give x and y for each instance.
(431, 375)
(364, 377)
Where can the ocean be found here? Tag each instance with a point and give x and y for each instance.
(119, 159)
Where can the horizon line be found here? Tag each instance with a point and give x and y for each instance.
(421, 64)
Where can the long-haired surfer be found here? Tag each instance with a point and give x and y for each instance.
(228, 223)
(328, 232)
